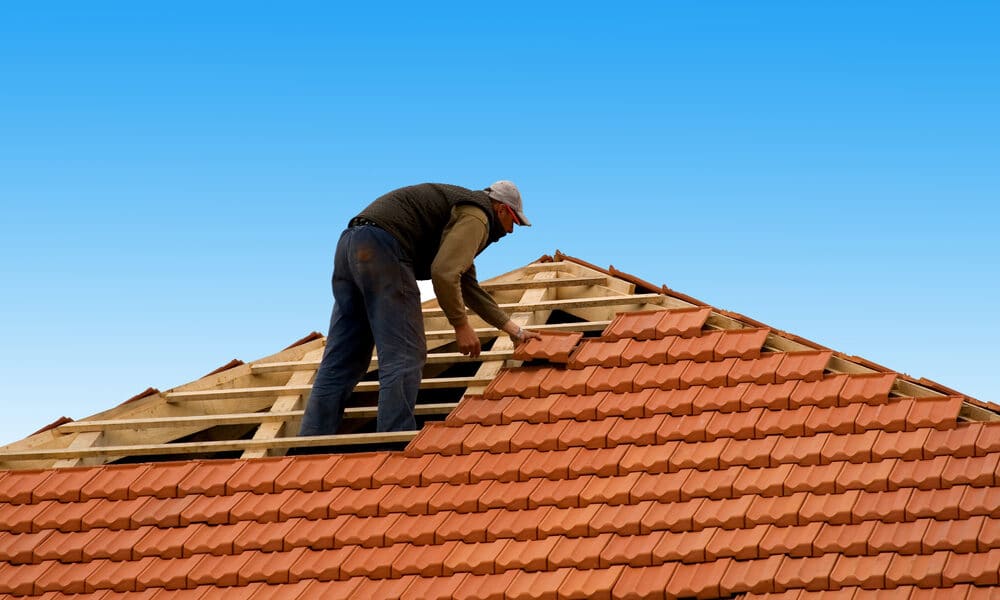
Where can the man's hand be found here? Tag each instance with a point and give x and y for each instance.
(468, 341)
(518, 335)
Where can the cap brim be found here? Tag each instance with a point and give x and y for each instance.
(524, 222)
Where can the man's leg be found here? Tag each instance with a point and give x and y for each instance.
(393, 302)
(348, 349)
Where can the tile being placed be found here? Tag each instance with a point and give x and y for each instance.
(554, 346)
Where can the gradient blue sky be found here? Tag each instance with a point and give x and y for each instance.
(173, 176)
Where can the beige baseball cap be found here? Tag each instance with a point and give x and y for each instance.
(507, 193)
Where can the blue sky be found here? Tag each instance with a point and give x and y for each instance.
(173, 176)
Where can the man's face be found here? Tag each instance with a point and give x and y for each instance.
(506, 216)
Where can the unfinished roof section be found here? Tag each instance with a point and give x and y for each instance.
(253, 410)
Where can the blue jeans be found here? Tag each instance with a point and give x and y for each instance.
(376, 302)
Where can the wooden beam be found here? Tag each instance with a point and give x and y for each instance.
(279, 390)
(545, 283)
(570, 303)
(209, 447)
(978, 413)
(206, 421)
(82, 441)
(432, 359)
(490, 332)
(282, 404)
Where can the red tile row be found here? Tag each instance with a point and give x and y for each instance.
(868, 389)
(569, 569)
(641, 530)
(862, 461)
(907, 414)
(689, 472)
(174, 479)
(776, 367)
(710, 346)
(646, 325)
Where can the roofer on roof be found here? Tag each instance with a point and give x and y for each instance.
(426, 231)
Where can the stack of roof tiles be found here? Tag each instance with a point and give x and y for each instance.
(662, 460)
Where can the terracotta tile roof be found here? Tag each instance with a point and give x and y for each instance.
(662, 459)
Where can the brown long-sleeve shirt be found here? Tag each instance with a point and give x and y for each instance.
(454, 274)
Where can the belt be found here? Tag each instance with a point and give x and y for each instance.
(359, 221)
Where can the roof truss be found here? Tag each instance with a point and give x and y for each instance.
(254, 410)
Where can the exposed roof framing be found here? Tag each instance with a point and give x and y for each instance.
(254, 410)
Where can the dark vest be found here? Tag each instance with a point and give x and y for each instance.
(417, 215)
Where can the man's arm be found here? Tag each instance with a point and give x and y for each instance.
(454, 279)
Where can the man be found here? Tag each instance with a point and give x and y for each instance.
(426, 231)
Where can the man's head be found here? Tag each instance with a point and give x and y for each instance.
(507, 202)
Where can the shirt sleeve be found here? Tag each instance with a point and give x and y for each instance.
(453, 273)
